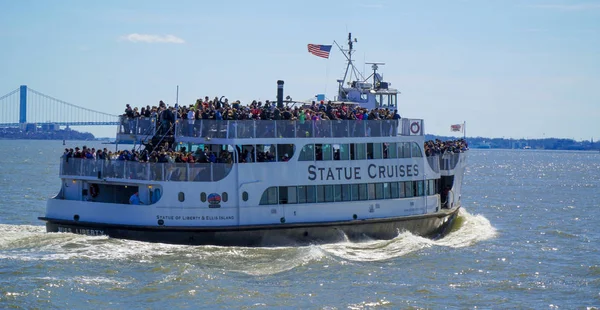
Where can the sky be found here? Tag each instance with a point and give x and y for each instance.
(508, 68)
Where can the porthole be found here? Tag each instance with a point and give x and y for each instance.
(181, 196)
(203, 197)
(245, 196)
(224, 197)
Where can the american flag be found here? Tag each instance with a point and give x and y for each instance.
(319, 50)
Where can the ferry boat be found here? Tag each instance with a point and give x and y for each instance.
(275, 182)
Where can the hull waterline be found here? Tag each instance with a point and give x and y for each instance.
(431, 225)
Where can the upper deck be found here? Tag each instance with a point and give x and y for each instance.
(139, 129)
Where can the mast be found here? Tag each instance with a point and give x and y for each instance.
(350, 68)
(350, 45)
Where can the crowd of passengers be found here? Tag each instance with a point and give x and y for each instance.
(164, 154)
(221, 109)
(439, 147)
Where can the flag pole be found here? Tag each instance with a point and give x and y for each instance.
(465, 130)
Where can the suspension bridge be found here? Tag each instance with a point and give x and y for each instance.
(25, 105)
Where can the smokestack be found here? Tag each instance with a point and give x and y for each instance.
(280, 94)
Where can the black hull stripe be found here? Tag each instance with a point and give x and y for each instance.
(165, 228)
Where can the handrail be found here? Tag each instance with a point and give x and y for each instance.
(241, 129)
(122, 169)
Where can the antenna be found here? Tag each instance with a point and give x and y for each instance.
(350, 64)
(375, 66)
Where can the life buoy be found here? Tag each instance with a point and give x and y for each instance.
(94, 190)
(415, 128)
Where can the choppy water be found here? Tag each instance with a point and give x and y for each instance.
(527, 238)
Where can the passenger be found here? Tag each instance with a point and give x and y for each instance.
(135, 199)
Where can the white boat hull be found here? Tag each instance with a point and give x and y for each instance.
(429, 225)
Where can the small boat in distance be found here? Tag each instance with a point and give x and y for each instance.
(261, 175)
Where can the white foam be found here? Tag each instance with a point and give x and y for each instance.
(25, 242)
(467, 230)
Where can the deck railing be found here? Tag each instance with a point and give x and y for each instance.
(242, 129)
(122, 169)
(447, 161)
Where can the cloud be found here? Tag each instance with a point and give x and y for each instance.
(152, 38)
(567, 7)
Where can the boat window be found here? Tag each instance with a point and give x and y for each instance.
(337, 192)
(420, 188)
(429, 187)
(328, 193)
(336, 152)
(392, 150)
(346, 193)
(354, 192)
(203, 197)
(344, 152)
(327, 152)
(362, 192)
(371, 187)
(283, 195)
(377, 151)
(394, 100)
(247, 154)
(416, 150)
(432, 190)
(181, 196)
(352, 152)
(285, 152)
(404, 149)
(409, 190)
(318, 152)
(245, 196)
(320, 193)
(265, 153)
(224, 196)
(292, 194)
(269, 196)
(307, 153)
(311, 193)
(360, 151)
(301, 194)
(394, 190)
(402, 189)
(382, 190)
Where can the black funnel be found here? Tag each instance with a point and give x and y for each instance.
(280, 94)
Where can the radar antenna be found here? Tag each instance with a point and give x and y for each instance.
(377, 78)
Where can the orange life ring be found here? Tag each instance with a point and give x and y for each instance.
(415, 128)
(94, 190)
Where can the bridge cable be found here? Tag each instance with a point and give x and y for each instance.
(70, 104)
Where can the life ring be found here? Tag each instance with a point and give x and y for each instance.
(415, 128)
(94, 190)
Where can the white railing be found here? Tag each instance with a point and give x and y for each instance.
(122, 169)
(241, 129)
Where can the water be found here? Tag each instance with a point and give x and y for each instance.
(527, 238)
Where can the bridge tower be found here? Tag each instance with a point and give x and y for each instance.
(23, 104)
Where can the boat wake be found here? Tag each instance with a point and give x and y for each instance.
(32, 243)
(466, 230)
